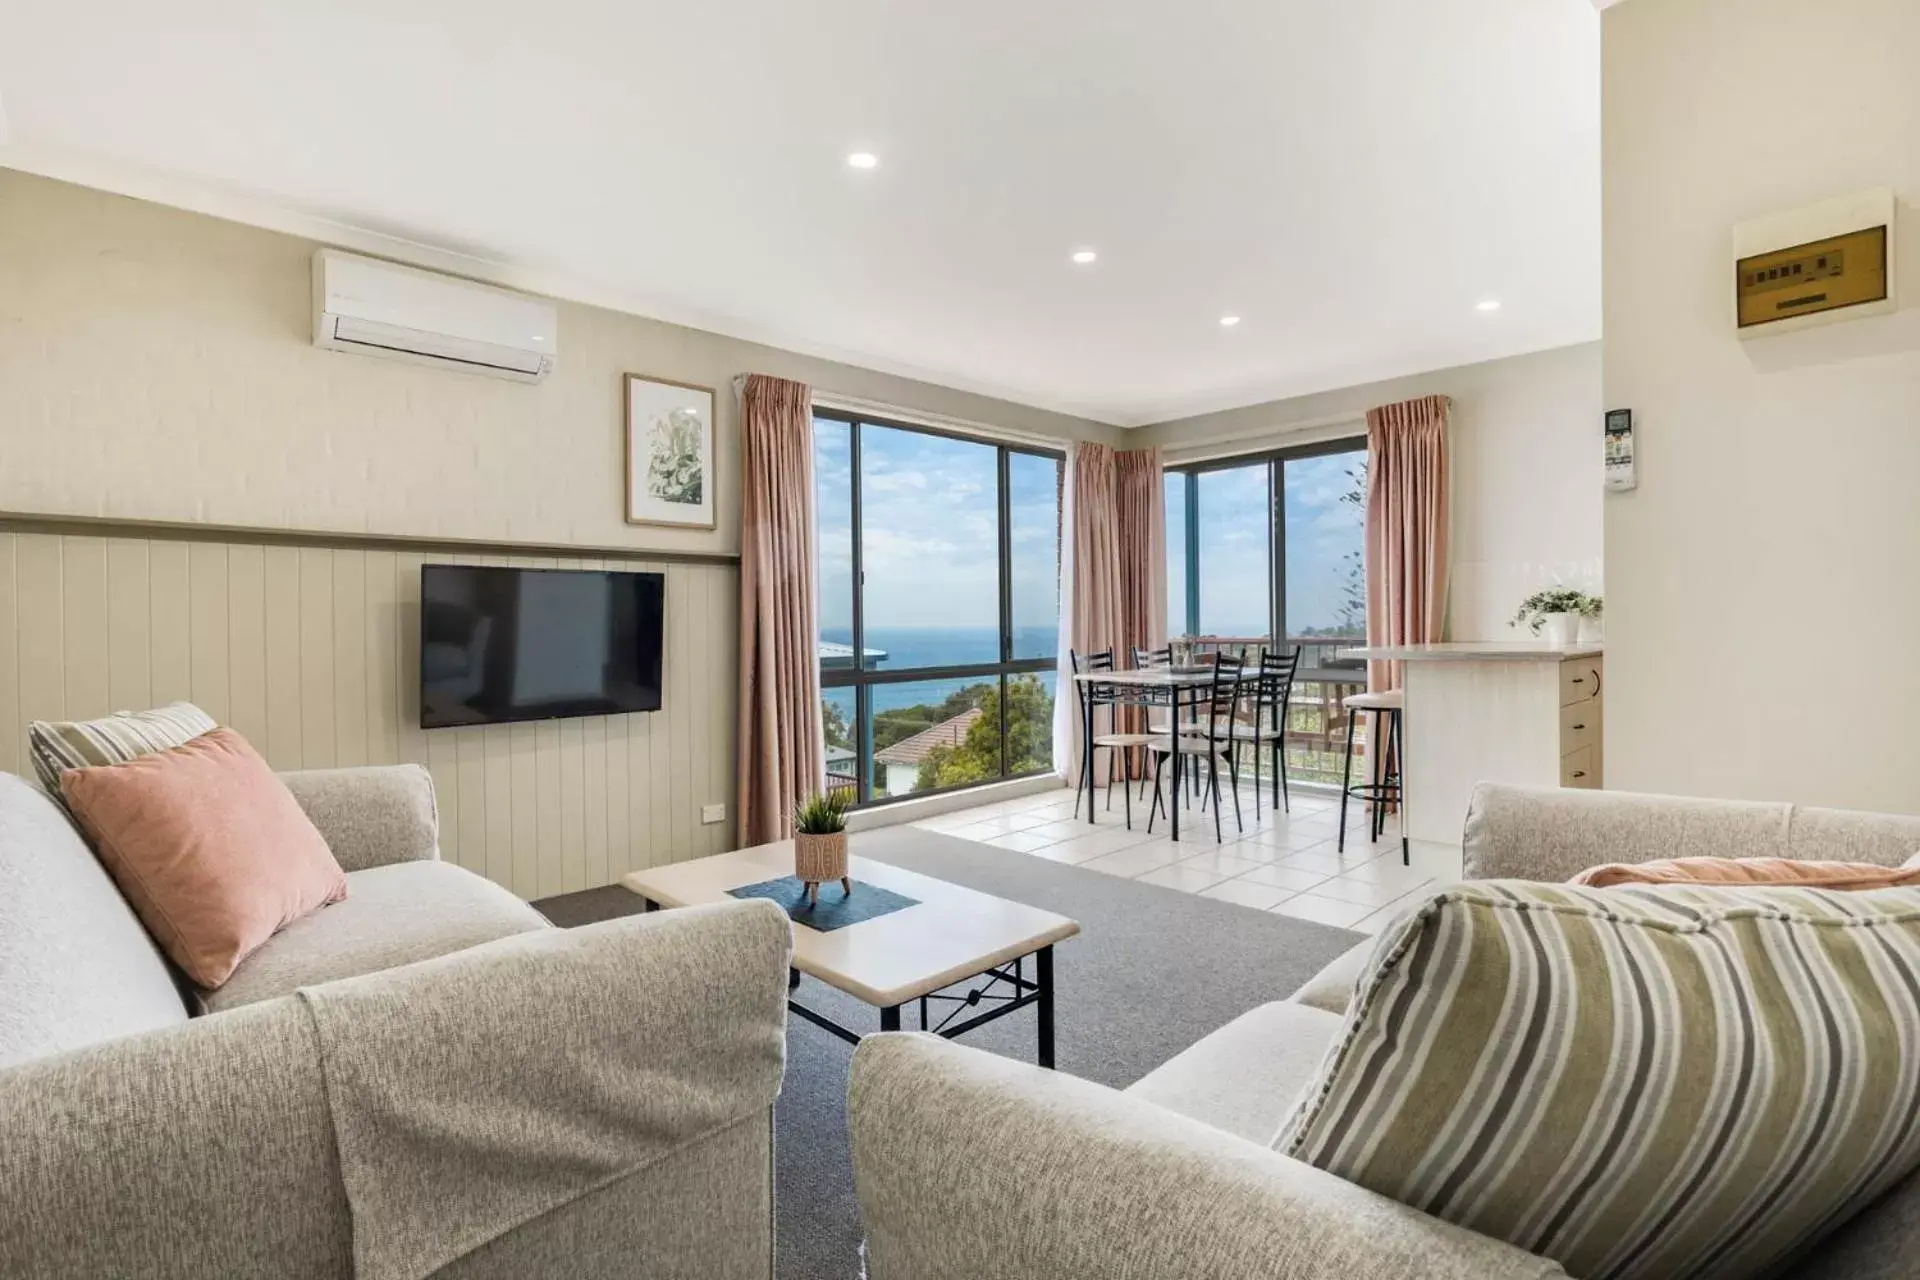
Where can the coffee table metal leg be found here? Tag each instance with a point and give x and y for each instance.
(890, 1018)
(1043, 974)
(793, 979)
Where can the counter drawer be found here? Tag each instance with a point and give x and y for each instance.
(1579, 680)
(1580, 768)
(1579, 725)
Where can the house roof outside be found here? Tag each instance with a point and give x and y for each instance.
(835, 656)
(914, 750)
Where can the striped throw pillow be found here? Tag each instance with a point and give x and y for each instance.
(1635, 1082)
(56, 746)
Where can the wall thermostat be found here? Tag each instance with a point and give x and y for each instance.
(1826, 263)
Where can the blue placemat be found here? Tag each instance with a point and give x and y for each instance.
(836, 909)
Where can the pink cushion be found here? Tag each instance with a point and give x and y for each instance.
(1750, 871)
(211, 849)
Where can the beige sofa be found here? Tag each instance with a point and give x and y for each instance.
(967, 1164)
(423, 1079)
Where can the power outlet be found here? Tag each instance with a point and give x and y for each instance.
(712, 813)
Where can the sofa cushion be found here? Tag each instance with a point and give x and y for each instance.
(1881, 1242)
(76, 968)
(1332, 987)
(1245, 1077)
(208, 846)
(1636, 1082)
(59, 745)
(1756, 871)
(392, 916)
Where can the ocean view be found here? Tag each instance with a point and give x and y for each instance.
(910, 647)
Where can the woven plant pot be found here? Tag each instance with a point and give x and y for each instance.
(820, 858)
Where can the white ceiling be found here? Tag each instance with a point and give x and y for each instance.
(1350, 176)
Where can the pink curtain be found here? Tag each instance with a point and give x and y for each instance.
(781, 752)
(1141, 508)
(1118, 545)
(1406, 529)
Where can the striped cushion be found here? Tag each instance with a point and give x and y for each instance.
(57, 746)
(1635, 1082)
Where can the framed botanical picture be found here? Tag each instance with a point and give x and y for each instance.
(669, 453)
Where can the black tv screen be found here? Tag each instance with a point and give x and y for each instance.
(536, 644)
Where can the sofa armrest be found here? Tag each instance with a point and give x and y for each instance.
(1553, 834)
(968, 1164)
(373, 815)
(599, 1098)
(477, 1093)
(199, 1150)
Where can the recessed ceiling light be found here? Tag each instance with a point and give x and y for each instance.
(1229, 321)
(864, 160)
(1491, 304)
(1084, 256)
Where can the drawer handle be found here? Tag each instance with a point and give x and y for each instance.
(1579, 773)
(1579, 680)
(1579, 727)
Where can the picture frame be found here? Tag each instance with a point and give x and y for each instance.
(669, 452)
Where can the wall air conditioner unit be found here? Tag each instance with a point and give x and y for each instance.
(380, 309)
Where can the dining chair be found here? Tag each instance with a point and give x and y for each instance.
(1157, 721)
(1212, 742)
(1270, 703)
(1114, 744)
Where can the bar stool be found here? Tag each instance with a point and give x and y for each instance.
(1386, 708)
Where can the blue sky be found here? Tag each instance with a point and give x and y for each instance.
(1235, 555)
(930, 530)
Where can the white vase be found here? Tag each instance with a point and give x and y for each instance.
(1560, 629)
(1592, 630)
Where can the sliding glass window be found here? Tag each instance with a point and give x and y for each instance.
(939, 573)
(1274, 546)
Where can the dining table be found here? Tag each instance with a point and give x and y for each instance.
(1170, 687)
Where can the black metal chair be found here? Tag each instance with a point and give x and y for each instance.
(1212, 741)
(1161, 657)
(1271, 701)
(1383, 761)
(1114, 744)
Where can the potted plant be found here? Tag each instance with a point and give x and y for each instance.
(1556, 611)
(820, 842)
(1591, 630)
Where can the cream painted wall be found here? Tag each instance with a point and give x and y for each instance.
(1526, 469)
(158, 365)
(1762, 604)
(311, 652)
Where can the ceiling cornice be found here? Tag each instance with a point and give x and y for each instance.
(234, 205)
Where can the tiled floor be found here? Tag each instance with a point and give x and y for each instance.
(1283, 863)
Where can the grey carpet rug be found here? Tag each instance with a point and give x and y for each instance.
(1152, 971)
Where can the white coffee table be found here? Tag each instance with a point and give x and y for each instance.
(951, 936)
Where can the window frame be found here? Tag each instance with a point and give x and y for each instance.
(862, 679)
(1274, 460)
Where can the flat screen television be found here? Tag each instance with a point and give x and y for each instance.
(500, 644)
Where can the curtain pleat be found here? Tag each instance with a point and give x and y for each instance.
(1116, 583)
(1407, 531)
(781, 751)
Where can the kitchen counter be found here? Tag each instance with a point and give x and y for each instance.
(1526, 712)
(1476, 651)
